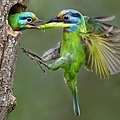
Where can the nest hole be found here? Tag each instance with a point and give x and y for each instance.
(17, 8)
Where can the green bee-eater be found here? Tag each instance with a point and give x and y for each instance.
(86, 41)
(23, 20)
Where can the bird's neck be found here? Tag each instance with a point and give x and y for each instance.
(71, 37)
(81, 27)
(72, 44)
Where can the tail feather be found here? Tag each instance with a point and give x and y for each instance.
(76, 105)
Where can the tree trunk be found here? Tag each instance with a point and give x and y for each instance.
(9, 44)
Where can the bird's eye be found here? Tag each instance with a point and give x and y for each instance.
(29, 20)
(66, 17)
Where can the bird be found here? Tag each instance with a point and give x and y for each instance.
(23, 20)
(87, 41)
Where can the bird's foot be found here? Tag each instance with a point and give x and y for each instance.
(35, 57)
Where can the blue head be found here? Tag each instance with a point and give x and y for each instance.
(69, 16)
(23, 20)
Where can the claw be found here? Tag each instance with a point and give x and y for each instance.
(43, 70)
(35, 57)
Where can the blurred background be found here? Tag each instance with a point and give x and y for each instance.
(44, 96)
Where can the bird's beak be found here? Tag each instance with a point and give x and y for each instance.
(55, 23)
(39, 21)
(56, 19)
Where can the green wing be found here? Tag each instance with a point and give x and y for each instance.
(102, 45)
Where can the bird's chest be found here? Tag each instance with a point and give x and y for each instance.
(73, 46)
(70, 47)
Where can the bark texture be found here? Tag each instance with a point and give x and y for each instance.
(9, 44)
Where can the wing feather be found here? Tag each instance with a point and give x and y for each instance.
(102, 56)
(104, 18)
(102, 48)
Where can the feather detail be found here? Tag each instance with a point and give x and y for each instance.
(102, 55)
(102, 45)
(104, 18)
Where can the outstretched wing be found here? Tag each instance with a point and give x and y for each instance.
(102, 44)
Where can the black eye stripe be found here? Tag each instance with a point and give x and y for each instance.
(73, 14)
(24, 18)
(76, 15)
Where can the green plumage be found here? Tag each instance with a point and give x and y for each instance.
(23, 20)
(90, 42)
(72, 44)
(102, 43)
(86, 41)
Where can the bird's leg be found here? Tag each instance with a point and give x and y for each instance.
(33, 56)
(59, 63)
(52, 54)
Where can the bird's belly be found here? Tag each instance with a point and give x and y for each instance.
(72, 69)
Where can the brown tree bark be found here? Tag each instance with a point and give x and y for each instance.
(9, 44)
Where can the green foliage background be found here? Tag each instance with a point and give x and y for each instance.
(44, 96)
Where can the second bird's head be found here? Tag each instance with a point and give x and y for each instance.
(68, 16)
(23, 20)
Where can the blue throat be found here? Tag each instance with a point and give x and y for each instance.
(71, 29)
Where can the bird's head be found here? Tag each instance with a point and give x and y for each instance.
(68, 16)
(23, 20)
